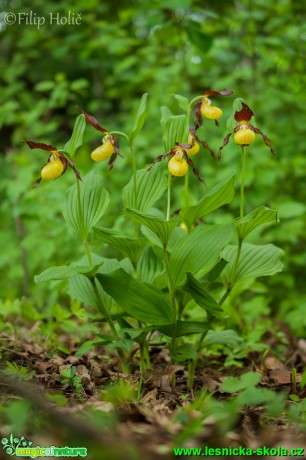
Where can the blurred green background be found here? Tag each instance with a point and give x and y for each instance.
(119, 51)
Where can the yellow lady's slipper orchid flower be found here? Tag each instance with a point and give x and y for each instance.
(204, 107)
(245, 133)
(56, 165)
(177, 165)
(110, 146)
(178, 161)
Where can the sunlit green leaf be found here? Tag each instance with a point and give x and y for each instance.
(150, 187)
(161, 228)
(132, 247)
(254, 219)
(219, 195)
(81, 288)
(227, 337)
(203, 298)
(139, 119)
(149, 266)
(182, 328)
(82, 214)
(198, 250)
(175, 130)
(77, 136)
(182, 101)
(254, 261)
(62, 273)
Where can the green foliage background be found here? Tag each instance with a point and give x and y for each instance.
(119, 51)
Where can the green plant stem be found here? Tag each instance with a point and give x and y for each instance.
(79, 204)
(193, 363)
(146, 354)
(142, 360)
(87, 251)
(134, 175)
(169, 196)
(124, 364)
(243, 168)
(172, 297)
(186, 190)
(235, 267)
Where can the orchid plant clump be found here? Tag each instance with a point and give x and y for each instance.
(171, 263)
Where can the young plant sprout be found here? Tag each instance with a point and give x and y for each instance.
(110, 145)
(204, 107)
(56, 165)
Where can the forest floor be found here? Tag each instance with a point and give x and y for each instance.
(144, 423)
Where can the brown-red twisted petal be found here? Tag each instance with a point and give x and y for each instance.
(41, 145)
(72, 166)
(198, 119)
(225, 142)
(160, 158)
(265, 138)
(244, 114)
(195, 170)
(223, 92)
(37, 182)
(93, 122)
(203, 143)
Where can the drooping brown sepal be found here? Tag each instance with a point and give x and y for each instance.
(203, 143)
(41, 145)
(265, 138)
(225, 142)
(113, 140)
(244, 114)
(93, 122)
(72, 166)
(223, 92)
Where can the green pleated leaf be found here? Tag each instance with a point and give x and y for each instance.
(175, 130)
(182, 101)
(81, 288)
(94, 200)
(109, 266)
(150, 187)
(215, 272)
(184, 328)
(132, 247)
(203, 298)
(227, 337)
(140, 300)
(254, 261)
(160, 227)
(219, 195)
(259, 216)
(139, 119)
(63, 273)
(77, 136)
(149, 266)
(199, 250)
(165, 114)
